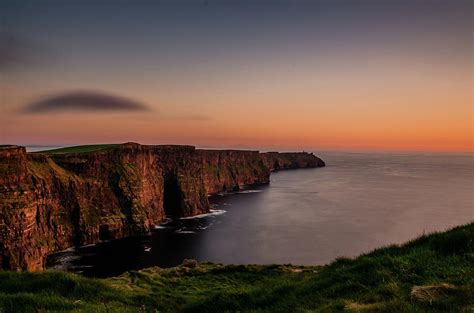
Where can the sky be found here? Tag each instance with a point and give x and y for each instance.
(327, 75)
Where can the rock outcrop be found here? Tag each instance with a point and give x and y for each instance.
(290, 160)
(52, 201)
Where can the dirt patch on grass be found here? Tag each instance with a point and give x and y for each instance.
(360, 307)
(430, 293)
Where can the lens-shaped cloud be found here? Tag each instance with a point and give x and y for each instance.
(84, 101)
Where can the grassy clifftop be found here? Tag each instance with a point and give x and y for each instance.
(79, 149)
(433, 273)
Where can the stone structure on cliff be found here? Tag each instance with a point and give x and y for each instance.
(52, 201)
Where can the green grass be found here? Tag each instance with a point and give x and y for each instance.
(381, 281)
(78, 149)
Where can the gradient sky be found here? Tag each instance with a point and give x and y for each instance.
(385, 75)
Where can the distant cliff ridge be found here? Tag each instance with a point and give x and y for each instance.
(290, 160)
(50, 201)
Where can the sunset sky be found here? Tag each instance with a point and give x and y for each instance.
(353, 75)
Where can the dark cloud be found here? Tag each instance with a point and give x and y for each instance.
(84, 101)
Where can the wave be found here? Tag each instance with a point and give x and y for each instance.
(64, 260)
(92, 244)
(161, 226)
(167, 221)
(239, 192)
(76, 267)
(185, 232)
(250, 191)
(211, 213)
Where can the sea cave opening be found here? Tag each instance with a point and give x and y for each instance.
(172, 197)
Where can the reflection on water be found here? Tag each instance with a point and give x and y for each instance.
(360, 201)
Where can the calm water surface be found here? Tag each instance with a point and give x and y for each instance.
(359, 202)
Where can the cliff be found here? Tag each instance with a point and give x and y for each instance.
(290, 160)
(54, 200)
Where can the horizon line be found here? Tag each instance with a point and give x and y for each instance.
(263, 148)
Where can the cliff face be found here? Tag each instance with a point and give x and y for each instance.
(52, 201)
(290, 160)
(228, 170)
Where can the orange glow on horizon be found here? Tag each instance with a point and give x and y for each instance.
(356, 75)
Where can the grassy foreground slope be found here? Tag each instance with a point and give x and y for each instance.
(434, 273)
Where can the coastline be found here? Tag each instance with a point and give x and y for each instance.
(81, 195)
